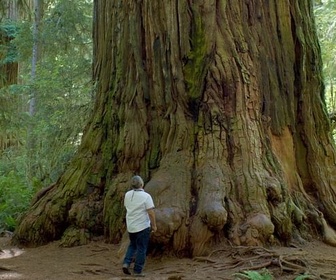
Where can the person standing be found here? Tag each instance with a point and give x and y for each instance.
(140, 221)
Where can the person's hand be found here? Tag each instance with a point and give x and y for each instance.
(154, 228)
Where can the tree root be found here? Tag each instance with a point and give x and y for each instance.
(204, 259)
(4, 269)
(255, 258)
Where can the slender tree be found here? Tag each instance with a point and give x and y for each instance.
(36, 52)
(36, 57)
(219, 106)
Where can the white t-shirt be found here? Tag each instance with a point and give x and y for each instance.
(137, 202)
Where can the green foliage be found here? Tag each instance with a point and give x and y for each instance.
(304, 276)
(8, 52)
(264, 274)
(62, 85)
(63, 90)
(8, 29)
(325, 15)
(14, 199)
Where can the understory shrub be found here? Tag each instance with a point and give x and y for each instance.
(15, 197)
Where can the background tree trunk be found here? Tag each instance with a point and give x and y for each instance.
(9, 69)
(36, 51)
(33, 98)
(219, 106)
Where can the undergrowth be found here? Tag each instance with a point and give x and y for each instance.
(15, 197)
(264, 275)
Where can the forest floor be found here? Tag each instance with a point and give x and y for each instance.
(100, 261)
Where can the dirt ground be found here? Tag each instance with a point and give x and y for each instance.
(100, 261)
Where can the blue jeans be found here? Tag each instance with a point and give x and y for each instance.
(138, 249)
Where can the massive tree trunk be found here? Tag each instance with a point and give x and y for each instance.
(219, 106)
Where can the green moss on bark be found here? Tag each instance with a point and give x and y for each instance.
(196, 59)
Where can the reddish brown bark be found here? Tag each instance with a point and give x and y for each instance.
(219, 106)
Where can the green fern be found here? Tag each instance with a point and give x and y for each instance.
(304, 276)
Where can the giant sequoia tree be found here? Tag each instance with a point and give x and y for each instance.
(219, 106)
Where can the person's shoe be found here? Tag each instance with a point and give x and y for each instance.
(139, 274)
(125, 269)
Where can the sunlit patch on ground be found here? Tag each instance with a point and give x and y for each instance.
(6, 273)
(10, 275)
(10, 253)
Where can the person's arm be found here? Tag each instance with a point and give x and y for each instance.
(151, 214)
